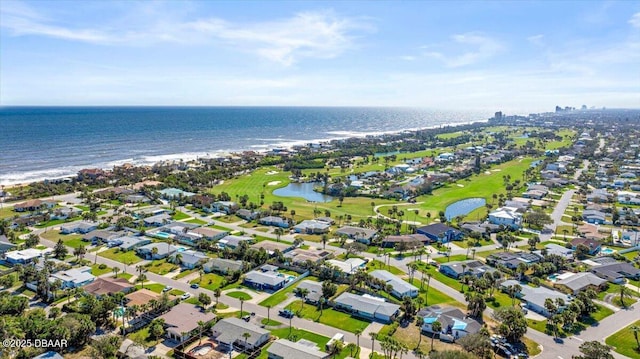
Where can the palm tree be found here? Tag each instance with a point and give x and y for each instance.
(373, 336)
(177, 259)
(636, 329)
(436, 327)
(217, 293)
(335, 348)
(241, 304)
(246, 336)
(324, 240)
(115, 271)
(623, 291)
(268, 313)
(200, 329)
(303, 292)
(358, 333)
(426, 297)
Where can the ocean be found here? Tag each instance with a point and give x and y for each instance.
(53, 142)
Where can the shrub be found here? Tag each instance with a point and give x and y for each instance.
(102, 266)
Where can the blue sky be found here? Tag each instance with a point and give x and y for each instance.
(516, 56)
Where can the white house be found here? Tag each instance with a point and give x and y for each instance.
(400, 288)
(506, 216)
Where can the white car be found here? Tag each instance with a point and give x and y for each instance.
(185, 296)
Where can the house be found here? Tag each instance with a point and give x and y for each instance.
(299, 255)
(65, 213)
(175, 193)
(127, 243)
(140, 297)
(271, 246)
(367, 306)
(34, 205)
(157, 220)
(462, 268)
(209, 233)
(246, 214)
(314, 290)
(230, 333)
(534, 297)
(582, 281)
(348, 266)
(286, 349)
(181, 322)
(223, 266)
(506, 216)
(73, 278)
(556, 249)
(100, 236)
(189, 259)
(162, 250)
(439, 232)
(103, 286)
(364, 235)
(594, 216)
(400, 289)
(326, 220)
(265, 278)
(534, 194)
(78, 227)
(227, 207)
(511, 260)
(274, 221)
(593, 245)
(455, 323)
(616, 272)
(312, 227)
(233, 241)
(5, 245)
(26, 256)
(599, 196)
(392, 241)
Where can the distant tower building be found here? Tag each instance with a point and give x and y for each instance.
(498, 115)
(584, 107)
(558, 109)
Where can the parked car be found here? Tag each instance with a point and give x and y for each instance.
(167, 288)
(195, 286)
(286, 313)
(185, 296)
(246, 318)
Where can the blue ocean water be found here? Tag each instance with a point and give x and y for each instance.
(52, 142)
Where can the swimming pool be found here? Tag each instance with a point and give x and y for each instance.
(553, 277)
(607, 251)
(181, 249)
(164, 235)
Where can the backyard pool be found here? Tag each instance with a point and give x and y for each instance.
(304, 190)
(164, 235)
(463, 207)
(607, 251)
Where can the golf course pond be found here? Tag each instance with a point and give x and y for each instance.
(304, 190)
(463, 207)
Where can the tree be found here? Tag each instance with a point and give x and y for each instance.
(532, 242)
(200, 330)
(204, 299)
(80, 252)
(105, 347)
(581, 252)
(513, 324)
(324, 240)
(373, 336)
(335, 348)
(351, 347)
(60, 250)
(217, 293)
(354, 248)
(475, 304)
(328, 289)
(246, 336)
(436, 327)
(358, 333)
(477, 344)
(302, 292)
(156, 328)
(241, 304)
(635, 330)
(624, 291)
(594, 350)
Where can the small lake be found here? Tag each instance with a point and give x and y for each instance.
(304, 190)
(463, 207)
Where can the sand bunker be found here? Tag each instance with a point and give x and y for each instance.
(274, 183)
(460, 185)
(487, 172)
(496, 170)
(271, 173)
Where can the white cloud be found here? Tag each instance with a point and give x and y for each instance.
(635, 20)
(536, 39)
(471, 47)
(321, 34)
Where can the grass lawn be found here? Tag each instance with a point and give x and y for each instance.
(126, 276)
(279, 296)
(228, 219)
(209, 281)
(96, 271)
(453, 258)
(50, 223)
(298, 334)
(128, 257)
(624, 342)
(154, 287)
(270, 322)
(578, 326)
(71, 240)
(330, 317)
(410, 336)
(161, 267)
(196, 221)
(177, 216)
(184, 273)
(239, 295)
(142, 336)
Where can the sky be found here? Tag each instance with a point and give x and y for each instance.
(514, 56)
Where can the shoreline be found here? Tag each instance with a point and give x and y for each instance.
(190, 156)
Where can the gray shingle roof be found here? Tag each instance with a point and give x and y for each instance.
(291, 350)
(230, 330)
(398, 284)
(366, 304)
